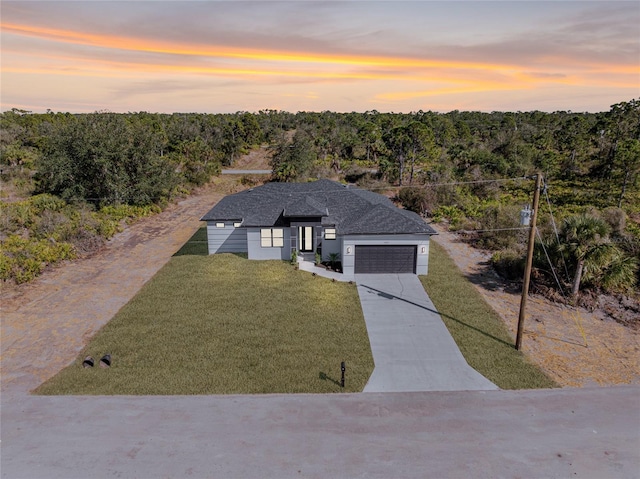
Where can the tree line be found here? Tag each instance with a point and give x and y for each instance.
(138, 158)
(437, 164)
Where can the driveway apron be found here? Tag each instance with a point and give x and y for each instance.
(412, 348)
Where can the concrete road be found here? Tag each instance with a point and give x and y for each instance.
(412, 348)
(585, 433)
(247, 172)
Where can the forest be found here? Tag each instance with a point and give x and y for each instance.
(69, 180)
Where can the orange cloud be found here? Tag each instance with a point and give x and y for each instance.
(472, 87)
(157, 46)
(409, 78)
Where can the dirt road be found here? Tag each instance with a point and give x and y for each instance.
(45, 324)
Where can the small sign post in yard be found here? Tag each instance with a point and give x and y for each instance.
(342, 368)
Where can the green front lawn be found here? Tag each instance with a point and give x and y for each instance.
(479, 332)
(223, 324)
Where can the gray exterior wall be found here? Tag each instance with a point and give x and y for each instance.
(255, 251)
(227, 239)
(331, 246)
(293, 232)
(247, 240)
(349, 243)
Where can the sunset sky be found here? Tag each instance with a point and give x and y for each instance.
(219, 57)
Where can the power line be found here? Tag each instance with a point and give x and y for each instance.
(451, 183)
(553, 270)
(489, 230)
(555, 230)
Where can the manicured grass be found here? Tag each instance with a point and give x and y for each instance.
(223, 324)
(477, 329)
(197, 244)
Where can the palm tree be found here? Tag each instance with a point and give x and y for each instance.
(610, 268)
(334, 258)
(585, 237)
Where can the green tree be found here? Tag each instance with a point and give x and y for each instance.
(371, 135)
(105, 159)
(584, 238)
(422, 147)
(292, 160)
(573, 143)
(198, 162)
(399, 144)
(627, 165)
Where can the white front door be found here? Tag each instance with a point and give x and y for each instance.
(305, 241)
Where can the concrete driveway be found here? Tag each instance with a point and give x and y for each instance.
(412, 348)
(586, 433)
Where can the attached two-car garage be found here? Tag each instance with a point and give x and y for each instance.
(379, 259)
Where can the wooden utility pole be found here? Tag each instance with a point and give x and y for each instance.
(527, 269)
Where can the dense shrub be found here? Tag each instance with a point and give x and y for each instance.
(413, 199)
(44, 230)
(509, 263)
(501, 227)
(23, 259)
(452, 213)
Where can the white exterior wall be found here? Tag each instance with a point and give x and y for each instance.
(258, 252)
(227, 239)
(349, 249)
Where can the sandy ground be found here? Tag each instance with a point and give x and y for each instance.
(45, 324)
(257, 159)
(574, 346)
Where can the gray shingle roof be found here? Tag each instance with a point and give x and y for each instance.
(350, 209)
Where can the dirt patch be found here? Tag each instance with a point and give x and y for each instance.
(46, 323)
(576, 347)
(254, 160)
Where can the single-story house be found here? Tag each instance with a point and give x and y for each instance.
(368, 232)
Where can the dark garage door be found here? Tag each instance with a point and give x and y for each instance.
(385, 259)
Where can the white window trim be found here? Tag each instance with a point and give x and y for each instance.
(278, 237)
(220, 225)
(237, 224)
(272, 237)
(265, 237)
(329, 233)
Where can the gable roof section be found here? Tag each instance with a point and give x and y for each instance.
(305, 206)
(350, 209)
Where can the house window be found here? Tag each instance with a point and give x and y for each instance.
(237, 225)
(329, 233)
(219, 225)
(272, 237)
